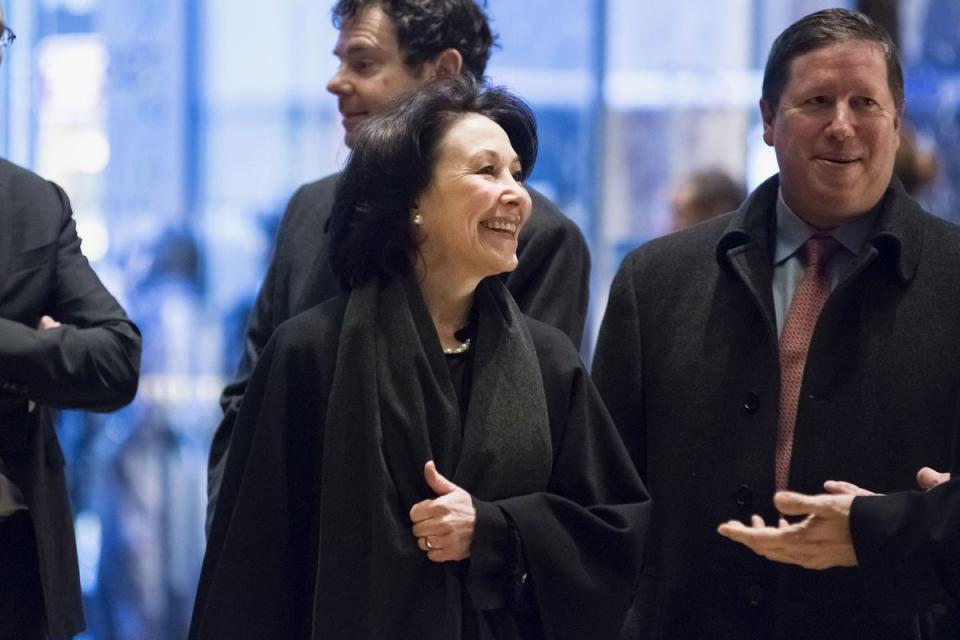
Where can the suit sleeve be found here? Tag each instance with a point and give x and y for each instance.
(921, 528)
(92, 360)
(618, 364)
(588, 528)
(551, 281)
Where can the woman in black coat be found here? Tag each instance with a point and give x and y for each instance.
(417, 459)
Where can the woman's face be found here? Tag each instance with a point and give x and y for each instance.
(474, 206)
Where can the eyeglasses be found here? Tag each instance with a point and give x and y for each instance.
(7, 37)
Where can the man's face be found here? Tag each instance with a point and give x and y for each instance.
(371, 72)
(835, 132)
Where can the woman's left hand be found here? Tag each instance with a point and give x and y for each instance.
(444, 526)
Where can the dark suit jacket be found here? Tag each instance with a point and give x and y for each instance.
(550, 284)
(687, 362)
(90, 362)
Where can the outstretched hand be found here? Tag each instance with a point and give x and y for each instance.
(444, 525)
(820, 541)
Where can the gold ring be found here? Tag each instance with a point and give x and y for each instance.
(426, 543)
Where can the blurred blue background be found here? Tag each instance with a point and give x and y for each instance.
(180, 128)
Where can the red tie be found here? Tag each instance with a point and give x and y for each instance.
(808, 300)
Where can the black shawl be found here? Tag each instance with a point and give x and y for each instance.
(312, 536)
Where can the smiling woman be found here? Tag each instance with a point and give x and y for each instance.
(416, 458)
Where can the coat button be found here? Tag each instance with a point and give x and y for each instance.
(751, 402)
(743, 496)
(755, 595)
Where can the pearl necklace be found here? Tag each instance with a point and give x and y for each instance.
(462, 348)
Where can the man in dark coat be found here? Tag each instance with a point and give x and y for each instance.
(385, 50)
(64, 343)
(689, 355)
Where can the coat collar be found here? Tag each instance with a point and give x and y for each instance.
(896, 239)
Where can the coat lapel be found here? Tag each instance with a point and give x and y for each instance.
(745, 251)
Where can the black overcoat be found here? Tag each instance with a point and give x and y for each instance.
(90, 362)
(687, 363)
(311, 536)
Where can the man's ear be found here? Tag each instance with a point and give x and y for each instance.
(449, 62)
(767, 114)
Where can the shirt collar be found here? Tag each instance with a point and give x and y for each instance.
(793, 231)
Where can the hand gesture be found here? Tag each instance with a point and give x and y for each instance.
(820, 541)
(444, 526)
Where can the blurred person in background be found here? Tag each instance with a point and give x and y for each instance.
(416, 458)
(388, 48)
(64, 343)
(704, 195)
(916, 167)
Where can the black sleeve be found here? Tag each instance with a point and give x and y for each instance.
(263, 529)
(488, 581)
(92, 361)
(911, 528)
(551, 281)
(589, 526)
(618, 364)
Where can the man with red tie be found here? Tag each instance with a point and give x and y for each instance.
(805, 337)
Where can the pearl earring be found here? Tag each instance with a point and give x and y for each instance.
(418, 219)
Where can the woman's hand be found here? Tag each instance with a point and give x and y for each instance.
(444, 526)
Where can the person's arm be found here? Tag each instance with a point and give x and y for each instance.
(89, 358)
(552, 280)
(909, 542)
(587, 528)
(820, 541)
(852, 527)
(896, 528)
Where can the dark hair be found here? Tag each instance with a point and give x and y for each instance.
(392, 162)
(820, 29)
(425, 28)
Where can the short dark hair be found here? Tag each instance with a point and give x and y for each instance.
(392, 162)
(821, 29)
(425, 28)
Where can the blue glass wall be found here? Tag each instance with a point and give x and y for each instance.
(181, 127)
